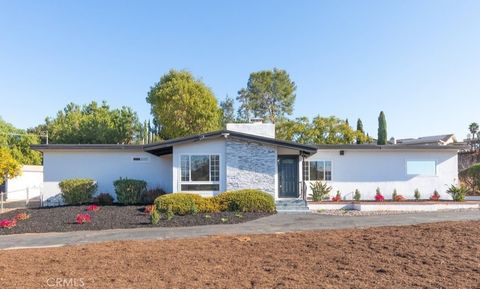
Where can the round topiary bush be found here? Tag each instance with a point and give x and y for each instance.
(186, 203)
(77, 191)
(249, 200)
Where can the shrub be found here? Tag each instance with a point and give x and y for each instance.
(22, 216)
(129, 191)
(471, 178)
(417, 194)
(103, 199)
(154, 217)
(435, 196)
(149, 196)
(394, 194)
(357, 196)
(92, 208)
(182, 203)
(169, 213)
(399, 198)
(83, 218)
(149, 209)
(337, 197)
(77, 191)
(248, 200)
(378, 196)
(457, 193)
(8, 224)
(319, 191)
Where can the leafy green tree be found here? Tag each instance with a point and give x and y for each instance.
(270, 94)
(473, 128)
(93, 123)
(361, 136)
(382, 129)
(9, 166)
(228, 111)
(183, 105)
(18, 142)
(298, 130)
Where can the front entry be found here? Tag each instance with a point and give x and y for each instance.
(288, 176)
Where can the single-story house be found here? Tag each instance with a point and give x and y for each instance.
(249, 156)
(25, 186)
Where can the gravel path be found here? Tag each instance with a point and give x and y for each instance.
(355, 213)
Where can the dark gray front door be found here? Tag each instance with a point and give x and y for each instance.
(287, 176)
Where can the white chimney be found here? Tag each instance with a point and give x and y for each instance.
(255, 127)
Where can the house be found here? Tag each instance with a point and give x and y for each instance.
(249, 156)
(25, 186)
(445, 139)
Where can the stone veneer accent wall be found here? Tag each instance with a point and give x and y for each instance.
(250, 165)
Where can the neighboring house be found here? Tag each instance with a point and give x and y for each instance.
(27, 185)
(249, 156)
(445, 139)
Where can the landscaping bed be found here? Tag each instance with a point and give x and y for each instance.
(63, 219)
(438, 255)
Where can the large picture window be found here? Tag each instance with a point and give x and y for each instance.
(317, 170)
(200, 172)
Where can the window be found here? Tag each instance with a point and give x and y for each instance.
(199, 172)
(422, 168)
(140, 159)
(317, 170)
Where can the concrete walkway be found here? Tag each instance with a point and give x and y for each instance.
(283, 222)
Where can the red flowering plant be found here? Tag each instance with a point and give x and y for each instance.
(378, 196)
(92, 208)
(149, 209)
(399, 198)
(22, 216)
(83, 218)
(337, 197)
(8, 224)
(435, 196)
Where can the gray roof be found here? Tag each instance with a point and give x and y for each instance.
(434, 139)
(388, 147)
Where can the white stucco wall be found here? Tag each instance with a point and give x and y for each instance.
(31, 179)
(215, 146)
(366, 170)
(104, 167)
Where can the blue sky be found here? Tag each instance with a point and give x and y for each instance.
(419, 61)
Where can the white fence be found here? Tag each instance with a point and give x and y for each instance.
(21, 198)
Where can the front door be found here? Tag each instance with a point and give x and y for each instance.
(288, 176)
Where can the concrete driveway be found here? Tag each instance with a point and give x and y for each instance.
(282, 222)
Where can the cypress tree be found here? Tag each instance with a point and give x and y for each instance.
(360, 131)
(382, 129)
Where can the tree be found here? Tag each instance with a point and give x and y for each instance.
(473, 128)
(322, 130)
(382, 129)
(228, 111)
(18, 142)
(93, 123)
(270, 94)
(360, 132)
(9, 167)
(183, 105)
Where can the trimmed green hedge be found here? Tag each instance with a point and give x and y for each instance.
(242, 200)
(248, 200)
(129, 191)
(186, 203)
(77, 191)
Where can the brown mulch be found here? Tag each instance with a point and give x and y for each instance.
(62, 219)
(441, 255)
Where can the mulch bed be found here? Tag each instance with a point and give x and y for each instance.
(439, 255)
(62, 219)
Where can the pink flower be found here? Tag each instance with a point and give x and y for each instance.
(93, 208)
(379, 198)
(83, 218)
(8, 224)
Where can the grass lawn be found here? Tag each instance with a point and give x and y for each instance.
(440, 255)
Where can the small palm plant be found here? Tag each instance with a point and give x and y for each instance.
(319, 191)
(357, 196)
(457, 192)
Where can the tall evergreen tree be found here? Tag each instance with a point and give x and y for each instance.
(360, 131)
(382, 129)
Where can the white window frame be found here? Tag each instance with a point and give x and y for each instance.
(190, 182)
(324, 171)
(421, 175)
